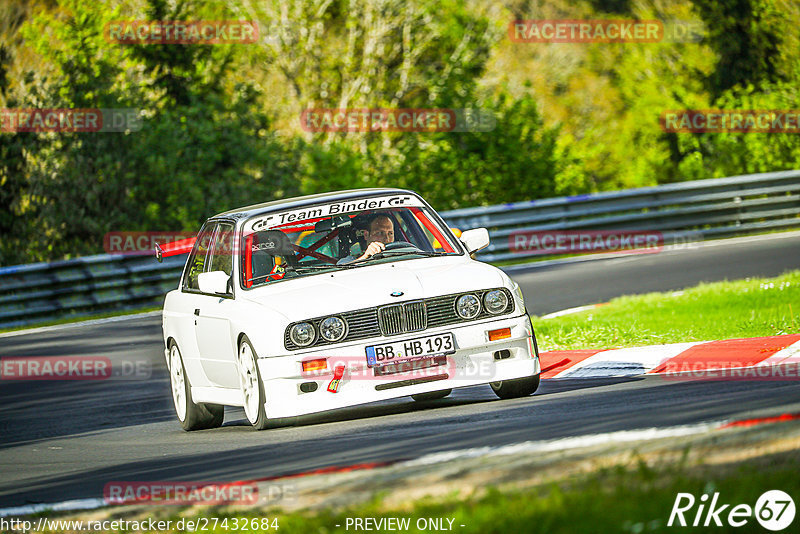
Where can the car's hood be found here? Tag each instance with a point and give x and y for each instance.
(368, 286)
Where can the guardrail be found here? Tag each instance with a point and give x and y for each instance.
(698, 209)
(705, 208)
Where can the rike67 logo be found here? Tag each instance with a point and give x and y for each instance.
(774, 510)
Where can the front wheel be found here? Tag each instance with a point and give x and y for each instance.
(192, 416)
(518, 387)
(252, 386)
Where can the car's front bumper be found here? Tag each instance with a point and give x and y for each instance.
(474, 362)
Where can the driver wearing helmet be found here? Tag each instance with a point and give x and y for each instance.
(379, 232)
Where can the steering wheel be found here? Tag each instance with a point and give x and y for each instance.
(400, 244)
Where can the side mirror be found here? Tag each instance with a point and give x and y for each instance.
(475, 239)
(215, 282)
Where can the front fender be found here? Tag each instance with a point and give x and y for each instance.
(264, 327)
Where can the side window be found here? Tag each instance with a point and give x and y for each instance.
(197, 259)
(221, 258)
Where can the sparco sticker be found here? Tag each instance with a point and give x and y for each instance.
(326, 210)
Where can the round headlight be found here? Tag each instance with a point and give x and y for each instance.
(332, 329)
(495, 301)
(468, 306)
(303, 334)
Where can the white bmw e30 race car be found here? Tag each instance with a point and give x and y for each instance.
(320, 302)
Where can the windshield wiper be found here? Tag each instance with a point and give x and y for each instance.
(387, 253)
(393, 253)
(318, 267)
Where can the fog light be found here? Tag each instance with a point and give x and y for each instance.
(502, 354)
(308, 387)
(315, 365)
(501, 333)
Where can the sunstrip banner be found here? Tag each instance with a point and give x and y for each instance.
(272, 220)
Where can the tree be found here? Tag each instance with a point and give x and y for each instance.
(203, 147)
(747, 36)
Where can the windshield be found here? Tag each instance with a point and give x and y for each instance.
(336, 236)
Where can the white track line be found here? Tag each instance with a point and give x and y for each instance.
(569, 311)
(66, 506)
(577, 442)
(79, 324)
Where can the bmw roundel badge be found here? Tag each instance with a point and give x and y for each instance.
(397, 293)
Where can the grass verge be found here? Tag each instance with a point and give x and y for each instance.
(752, 307)
(636, 496)
(626, 498)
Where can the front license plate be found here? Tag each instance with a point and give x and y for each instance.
(410, 349)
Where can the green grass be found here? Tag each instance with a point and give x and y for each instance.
(722, 310)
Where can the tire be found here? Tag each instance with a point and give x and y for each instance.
(433, 395)
(518, 387)
(191, 415)
(252, 386)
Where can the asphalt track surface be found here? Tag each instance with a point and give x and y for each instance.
(65, 440)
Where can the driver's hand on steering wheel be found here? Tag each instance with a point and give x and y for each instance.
(372, 249)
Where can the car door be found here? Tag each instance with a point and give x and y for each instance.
(215, 339)
(190, 299)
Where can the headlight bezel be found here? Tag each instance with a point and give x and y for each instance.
(499, 310)
(294, 339)
(459, 301)
(333, 339)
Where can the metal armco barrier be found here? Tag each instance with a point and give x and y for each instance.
(90, 285)
(695, 210)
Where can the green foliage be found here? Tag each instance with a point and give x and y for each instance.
(221, 128)
(747, 36)
(203, 146)
(727, 154)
